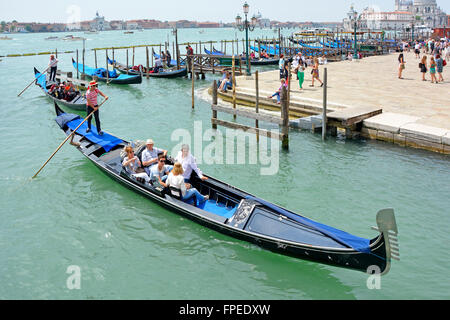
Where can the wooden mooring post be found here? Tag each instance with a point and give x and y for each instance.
(127, 62)
(214, 102)
(78, 67)
(193, 84)
(233, 81)
(83, 75)
(324, 112)
(257, 102)
(148, 67)
(107, 67)
(282, 121)
(284, 118)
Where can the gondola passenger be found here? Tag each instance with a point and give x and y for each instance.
(150, 155)
(132, 165)
(158, 66)
(189, 163)
(176, 180)
(160, 172)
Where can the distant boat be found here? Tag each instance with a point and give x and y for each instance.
(51, 38)
(128, 32)
(72, 38)
(5, 38)
(91, 32)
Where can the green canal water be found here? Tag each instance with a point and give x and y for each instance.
(130, 248)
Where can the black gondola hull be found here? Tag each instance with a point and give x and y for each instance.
(347, 257)
(79, 105)
(169, 75)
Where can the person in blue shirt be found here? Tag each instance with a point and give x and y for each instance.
(159, 172)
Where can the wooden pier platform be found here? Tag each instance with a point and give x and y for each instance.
(366, 94)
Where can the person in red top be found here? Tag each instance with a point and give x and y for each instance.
(92, 105)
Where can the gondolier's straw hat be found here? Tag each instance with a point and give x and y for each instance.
(93, 83)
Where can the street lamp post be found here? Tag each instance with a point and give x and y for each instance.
(246, 25)
(353, 17)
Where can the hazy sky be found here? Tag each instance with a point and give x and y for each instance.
(198, 10)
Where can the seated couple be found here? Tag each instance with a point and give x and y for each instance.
(152, 168)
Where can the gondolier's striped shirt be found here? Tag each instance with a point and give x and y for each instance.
(91, 97)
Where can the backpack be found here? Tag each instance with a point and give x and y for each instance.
(444, 62)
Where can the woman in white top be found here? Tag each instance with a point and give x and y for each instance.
(188, 163)
(176, 180)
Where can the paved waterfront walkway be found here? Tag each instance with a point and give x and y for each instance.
(373, 82)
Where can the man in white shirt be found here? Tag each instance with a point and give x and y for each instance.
(150, 156)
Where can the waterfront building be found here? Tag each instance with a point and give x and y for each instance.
(406, 13)
(99, 23)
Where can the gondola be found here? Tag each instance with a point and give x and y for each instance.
(113, 77)
(296, 41)
(213, 53)
(78, 103)
(239, 214)
(167, 73)
(255, 62)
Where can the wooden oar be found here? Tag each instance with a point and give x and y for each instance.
(43, 73)
(68, 137)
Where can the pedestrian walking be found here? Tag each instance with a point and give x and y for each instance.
(401, 65)
(433, 70)
(315, 72)
(417, 50)
(281, 66)
(423, 67)
(301, 72)
(439, 68)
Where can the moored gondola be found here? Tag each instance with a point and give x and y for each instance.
(112, 77)
(241, 215)
(166, 73)
(77, 103)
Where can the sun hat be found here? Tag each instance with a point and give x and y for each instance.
(149, 141)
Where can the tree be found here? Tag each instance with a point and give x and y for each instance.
(28, 28)
(3, 25)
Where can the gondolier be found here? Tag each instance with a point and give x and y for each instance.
(92, 105)
(53, 64)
